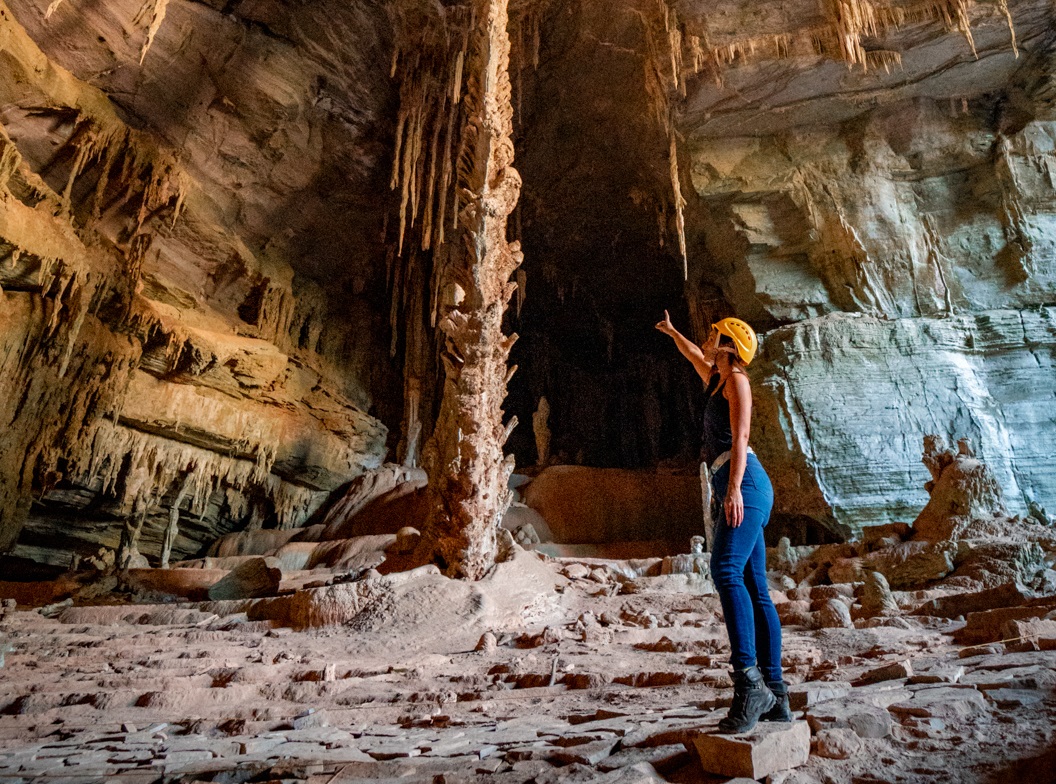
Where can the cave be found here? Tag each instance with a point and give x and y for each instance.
(339, 442)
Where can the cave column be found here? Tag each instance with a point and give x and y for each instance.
(468, 472)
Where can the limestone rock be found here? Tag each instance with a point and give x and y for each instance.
(756, 754)
(986, 563)
(1007, 595)
(251, 580)
(832, 457)
(912, 564)
(962, 488)
(868, 721)
(941, 702)
(804, 695)
(837, 744)
(989, 625)
(876, 598)
(834, 614)
(893, 671)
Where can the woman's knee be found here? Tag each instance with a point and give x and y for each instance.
(726, 574)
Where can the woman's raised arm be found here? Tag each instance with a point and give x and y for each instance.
(702, 362)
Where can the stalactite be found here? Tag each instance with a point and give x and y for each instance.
(52, 7)
(401, 122)
(883, 58)
(430, 189)
(853, 19)
(155, 10)
(849, 21)
(659, 90)
(680, 205)
(1003, 6)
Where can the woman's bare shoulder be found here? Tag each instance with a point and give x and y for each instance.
(738, 383)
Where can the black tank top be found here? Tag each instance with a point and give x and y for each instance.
(718, 436)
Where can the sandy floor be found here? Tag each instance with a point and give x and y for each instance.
(590, 686)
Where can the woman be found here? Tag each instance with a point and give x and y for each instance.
(738, 559)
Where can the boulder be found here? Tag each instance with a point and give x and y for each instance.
(834, 614)
(342, 553)
(374, 490)
(839, 743)
(912, 564)
(1006, 595)
(158, 584)
(259, 542)
(986, 563)
(876, 599)
(867, 719)
(941, 702)
(805, 695)
(597, 505)
(990, 625)
(251, 580)
(295, 556)
(889, 672)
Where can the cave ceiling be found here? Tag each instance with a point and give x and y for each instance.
(280, 111)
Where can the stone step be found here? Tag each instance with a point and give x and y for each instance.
(767, 749)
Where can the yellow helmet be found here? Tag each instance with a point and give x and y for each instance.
(743, 337)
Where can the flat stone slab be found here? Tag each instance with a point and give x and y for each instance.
(869, 721)
(805, 695)
(941, 702)
(768, 748)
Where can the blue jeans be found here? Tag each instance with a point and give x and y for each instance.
(738, 566)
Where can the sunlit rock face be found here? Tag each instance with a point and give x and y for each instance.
(900, 220)
(190, 230)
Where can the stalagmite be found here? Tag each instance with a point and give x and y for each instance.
(541, 427)
(464, 459)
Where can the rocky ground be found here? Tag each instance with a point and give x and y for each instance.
(607, 678)
(920, 652)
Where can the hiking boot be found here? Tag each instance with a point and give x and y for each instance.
(780, 711)
(751, 699)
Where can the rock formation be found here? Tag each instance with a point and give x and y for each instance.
(465, 461)
(205, 269)
(891, 216)
(169, 375)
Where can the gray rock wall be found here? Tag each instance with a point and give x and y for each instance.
(900, 222)
(843, 403)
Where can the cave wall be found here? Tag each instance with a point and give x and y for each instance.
(891, 224)
(196, 262)
(189, 229)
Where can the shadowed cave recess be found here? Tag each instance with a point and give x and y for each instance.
(309, 306)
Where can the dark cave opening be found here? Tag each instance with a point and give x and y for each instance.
(601, 260)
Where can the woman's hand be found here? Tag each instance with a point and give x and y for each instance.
(666, 326)
(734, 507)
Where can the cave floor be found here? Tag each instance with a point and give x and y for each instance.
(159, 693)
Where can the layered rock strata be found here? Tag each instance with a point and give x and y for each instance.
(166, 375)
(887, 194)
